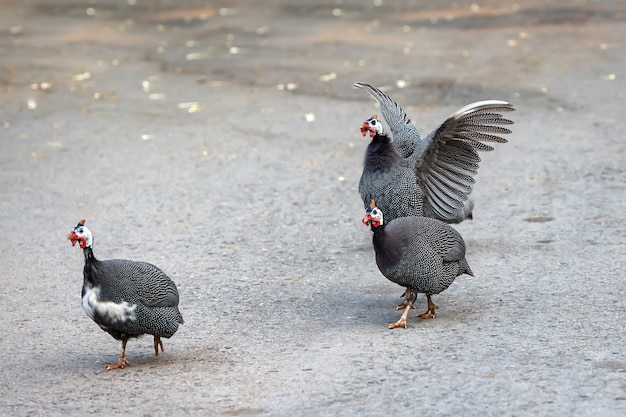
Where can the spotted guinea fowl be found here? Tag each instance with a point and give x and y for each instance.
(127, 298)
(423, 255)
(444, 162)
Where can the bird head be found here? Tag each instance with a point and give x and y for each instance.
(373, 126)
(80, 234)
(373, 216)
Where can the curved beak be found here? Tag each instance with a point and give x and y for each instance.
(366, 219)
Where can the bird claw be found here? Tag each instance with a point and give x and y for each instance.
(430, 313)
(401, 322)
(121, 364)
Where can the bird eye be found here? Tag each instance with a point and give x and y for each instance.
(373, 122)
(80, 230)
(374, 212)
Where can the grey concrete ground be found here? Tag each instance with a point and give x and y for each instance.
(220, 141)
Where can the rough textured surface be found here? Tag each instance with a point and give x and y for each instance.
(286, 312)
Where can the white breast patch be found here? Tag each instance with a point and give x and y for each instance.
(108, 309)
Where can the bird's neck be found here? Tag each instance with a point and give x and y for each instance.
(380, 153)
(379, 236)
(91, 266)
(388, 248)
(89, 256)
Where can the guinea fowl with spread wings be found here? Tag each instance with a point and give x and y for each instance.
(421, 254)
(127, 298)
(409, 175)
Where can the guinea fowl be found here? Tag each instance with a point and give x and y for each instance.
(127, 298)
(444, 163)
(423, 255)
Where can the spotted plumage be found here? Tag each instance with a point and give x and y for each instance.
(127, 298)
(443, 164)
(421, 254)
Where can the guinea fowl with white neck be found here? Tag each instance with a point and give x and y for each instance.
(126, 298)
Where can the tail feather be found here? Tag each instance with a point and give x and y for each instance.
(464, 268)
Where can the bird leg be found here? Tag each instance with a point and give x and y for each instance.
(408, 304)
(157, 343)
(430, 313)
(123, 361)
(402, 321)
(406, 300)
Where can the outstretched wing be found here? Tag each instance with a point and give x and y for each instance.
(447, 168)
(403, 131)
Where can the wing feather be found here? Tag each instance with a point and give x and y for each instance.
(450, 161)
(392, 112)
(460, 182)
(441, 208)
(455, 168)
(480, 137)
(447, 160)
(447, 190)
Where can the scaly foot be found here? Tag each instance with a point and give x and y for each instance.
(402, 321)
(121, 364)
(430, 313)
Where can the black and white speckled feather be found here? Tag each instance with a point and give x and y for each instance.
(130, 297)
(432, 254)
(446, 161)
(390, 180)
(127, 298)
(421, 254)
